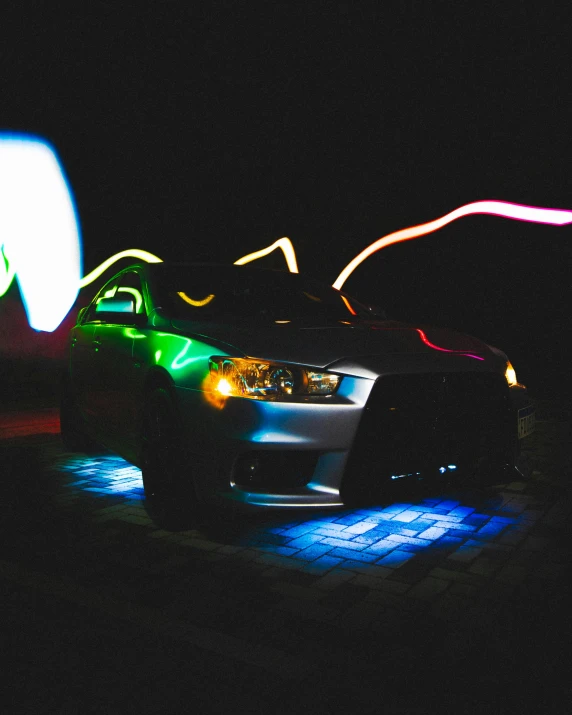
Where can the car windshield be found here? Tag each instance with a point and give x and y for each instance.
(237, 293)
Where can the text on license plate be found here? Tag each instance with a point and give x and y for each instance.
(526, 421)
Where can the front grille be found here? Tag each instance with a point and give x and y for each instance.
(414, 424)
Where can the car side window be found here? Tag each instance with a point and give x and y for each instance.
(131, 284)
(108, 291)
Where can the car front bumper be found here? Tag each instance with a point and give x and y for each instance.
(239, 433)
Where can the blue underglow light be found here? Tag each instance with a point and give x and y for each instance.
(377, 535)
(442, 470)
(39, 229)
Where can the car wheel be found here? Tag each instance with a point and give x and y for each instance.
(73, 437)
(170, 497)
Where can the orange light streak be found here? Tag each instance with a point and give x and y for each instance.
(348, 306)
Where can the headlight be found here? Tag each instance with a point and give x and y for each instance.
(510, 375)
(244, 377)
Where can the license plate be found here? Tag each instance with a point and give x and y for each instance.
(526, 421)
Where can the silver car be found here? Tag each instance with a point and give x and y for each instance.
(271, 389)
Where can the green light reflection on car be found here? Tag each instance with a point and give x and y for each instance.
(178, 362)
(133, 333)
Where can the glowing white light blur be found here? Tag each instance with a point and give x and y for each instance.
(39, 229)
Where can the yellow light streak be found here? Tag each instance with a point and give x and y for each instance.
(129, 253)
(196, 303)
(283, 243)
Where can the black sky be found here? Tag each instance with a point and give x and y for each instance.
(207, 130)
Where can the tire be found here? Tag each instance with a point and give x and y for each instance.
(73, 438)
(170, 497)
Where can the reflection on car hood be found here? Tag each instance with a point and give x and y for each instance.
(322, 345)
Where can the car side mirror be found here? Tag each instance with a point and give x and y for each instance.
(119, 308)
(116, 304)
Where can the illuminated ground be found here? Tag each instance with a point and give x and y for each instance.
(405, 602)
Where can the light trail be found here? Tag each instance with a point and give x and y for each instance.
(129, 253)
(287, 249)
(40, 243)
(535, 214)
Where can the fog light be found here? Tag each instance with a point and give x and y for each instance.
(276, 469)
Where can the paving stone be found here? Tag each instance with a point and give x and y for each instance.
(349, 519)
(406, 516)
(459, 588)
(379, 518)
(279, 550)
(303, 542)
(514, 507)
(447, 518)
(497, 591)
(201, 544)
(354, 555)
(558, 515)
(267, 538)
(333, 579)
(476, 519)
(331, 526)
(275, 573)
(381, 584)
(512, 574)
(395, 559)
(361, 615)
(483, 566)
(321, 565)
(132, 519)
(330, 534)
(465, 554)
(428, 588)
(298, 530)
(313, 552)
(536, 543)
(553, 572)
(296, 591)
(352, 545)
(434, 532)
(399, 538)
(530, 515)
(461, 511)
(369, 539)
(396, 508)
(450, 606)
(489, 531)
(504, 519)
(420, 524)
(307, 609)
(230, 549)
(382, 546)
(359, 528)
(368, 569)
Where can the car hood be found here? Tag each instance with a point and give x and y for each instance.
(322, 346)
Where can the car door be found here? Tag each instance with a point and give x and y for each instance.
(115, 377)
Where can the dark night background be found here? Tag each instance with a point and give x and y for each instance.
(204, 131)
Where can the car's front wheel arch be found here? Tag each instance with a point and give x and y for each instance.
(169, 489)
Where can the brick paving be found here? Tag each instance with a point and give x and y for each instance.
(410, 575)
